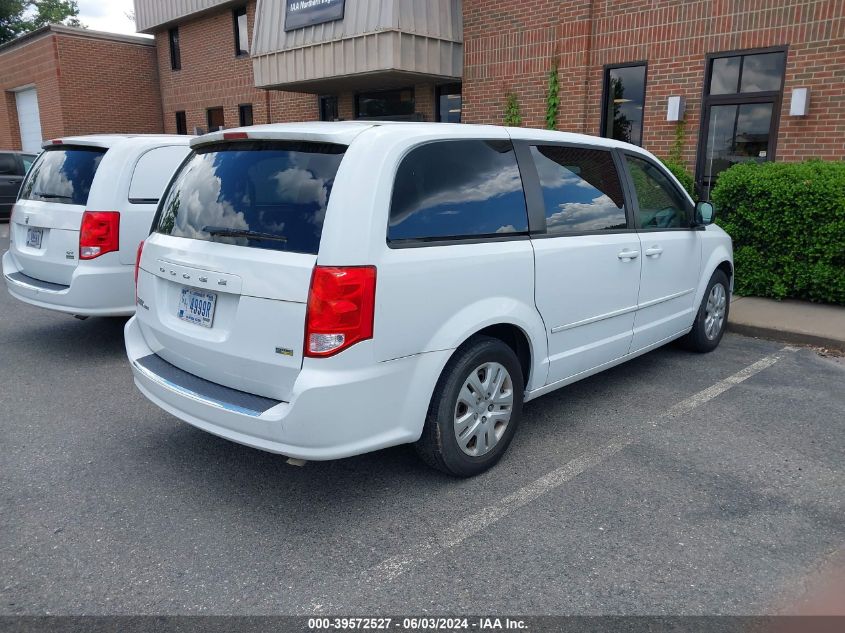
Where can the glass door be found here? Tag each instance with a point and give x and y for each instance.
(740, 112)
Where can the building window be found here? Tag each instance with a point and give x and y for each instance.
(245, 115)
(215, 119)
(328, 108)
(386, 104)
(742, 97)
(181, 122)
(449, 103)
(175, 53)
(624, 100)
(241, 31)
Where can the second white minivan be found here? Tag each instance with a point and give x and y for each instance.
(322, 290)
(84, 206)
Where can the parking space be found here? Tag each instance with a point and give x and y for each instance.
(674, 484)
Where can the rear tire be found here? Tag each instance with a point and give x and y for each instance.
(474, 410)
(712, 318)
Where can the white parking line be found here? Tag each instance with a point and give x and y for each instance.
(389, 569)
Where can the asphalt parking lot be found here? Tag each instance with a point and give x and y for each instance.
(674, 484)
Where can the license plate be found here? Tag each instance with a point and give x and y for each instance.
(197, 306)
(33, 237)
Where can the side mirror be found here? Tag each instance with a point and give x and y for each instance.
(705, 213)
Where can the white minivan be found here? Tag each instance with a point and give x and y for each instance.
(85, 205)
(321, 290)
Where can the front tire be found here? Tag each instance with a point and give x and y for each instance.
(712, 318)
(475, 409)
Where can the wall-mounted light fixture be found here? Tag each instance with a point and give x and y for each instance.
(675, 107)
(800, 103)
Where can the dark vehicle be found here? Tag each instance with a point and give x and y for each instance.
(13, 167)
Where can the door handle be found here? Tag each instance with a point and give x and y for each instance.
(628, 255)
(654, 251)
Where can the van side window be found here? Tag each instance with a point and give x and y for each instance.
(581, 189)
(661, 205)
(458, 189)
(152, 173)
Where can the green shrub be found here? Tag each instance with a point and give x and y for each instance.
(684, 175)
(787, 221)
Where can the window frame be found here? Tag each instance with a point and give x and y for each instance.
(418, 242)
(208, 112)
(534, 190)
(448, 89)
(241, 109)
(388, 117)
(633, 219)
(775, 97)
(175, 51)
(181, 122)
(236, 13)
(606, 84)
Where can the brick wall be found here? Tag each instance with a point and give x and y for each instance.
(108, 87)
(85, 85)
(511, 46)
(34, 62)
(213, 76)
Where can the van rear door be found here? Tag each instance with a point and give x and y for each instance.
(45, 225)
(225, 275)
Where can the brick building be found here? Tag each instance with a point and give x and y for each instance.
(715, 81)
(59, 80)
(737, 64)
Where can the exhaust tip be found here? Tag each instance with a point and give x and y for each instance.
(293, 461)
(80, 317)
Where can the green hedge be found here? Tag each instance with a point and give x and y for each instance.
(787, 221)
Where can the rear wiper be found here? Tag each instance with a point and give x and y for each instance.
(253, 235)
(52, 196)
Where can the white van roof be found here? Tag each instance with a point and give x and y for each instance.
(110, 140)
(344, 132)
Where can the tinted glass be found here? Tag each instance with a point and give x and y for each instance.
(624, 102)
(269, 195)
(241, 32)
(27, 159)
(63, 175)
(724, 78)
(245, 115)
(8, 165)
(736, 133)
(386, 103)
(453, 189)
(215, 119)
(762, 73)
(581, 190)
(175, 53)
(661, 205)
(181, 123)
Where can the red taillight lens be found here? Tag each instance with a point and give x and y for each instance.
(341, 305)
(99, 234)
(138, 266)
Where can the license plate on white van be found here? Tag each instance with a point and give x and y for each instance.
(197, 306)
(33, 237)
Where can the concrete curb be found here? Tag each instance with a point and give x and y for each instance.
(787, 336)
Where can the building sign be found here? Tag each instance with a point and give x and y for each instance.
(300, 13)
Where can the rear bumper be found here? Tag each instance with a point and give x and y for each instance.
(332, 413)
(93, 290)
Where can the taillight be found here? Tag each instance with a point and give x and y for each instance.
(99, 234)
(341, 305)
(138, 265)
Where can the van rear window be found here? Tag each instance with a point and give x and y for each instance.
(63, 175)
(261, 194)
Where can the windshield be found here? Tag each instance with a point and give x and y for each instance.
(261, 194)
(63, 175)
